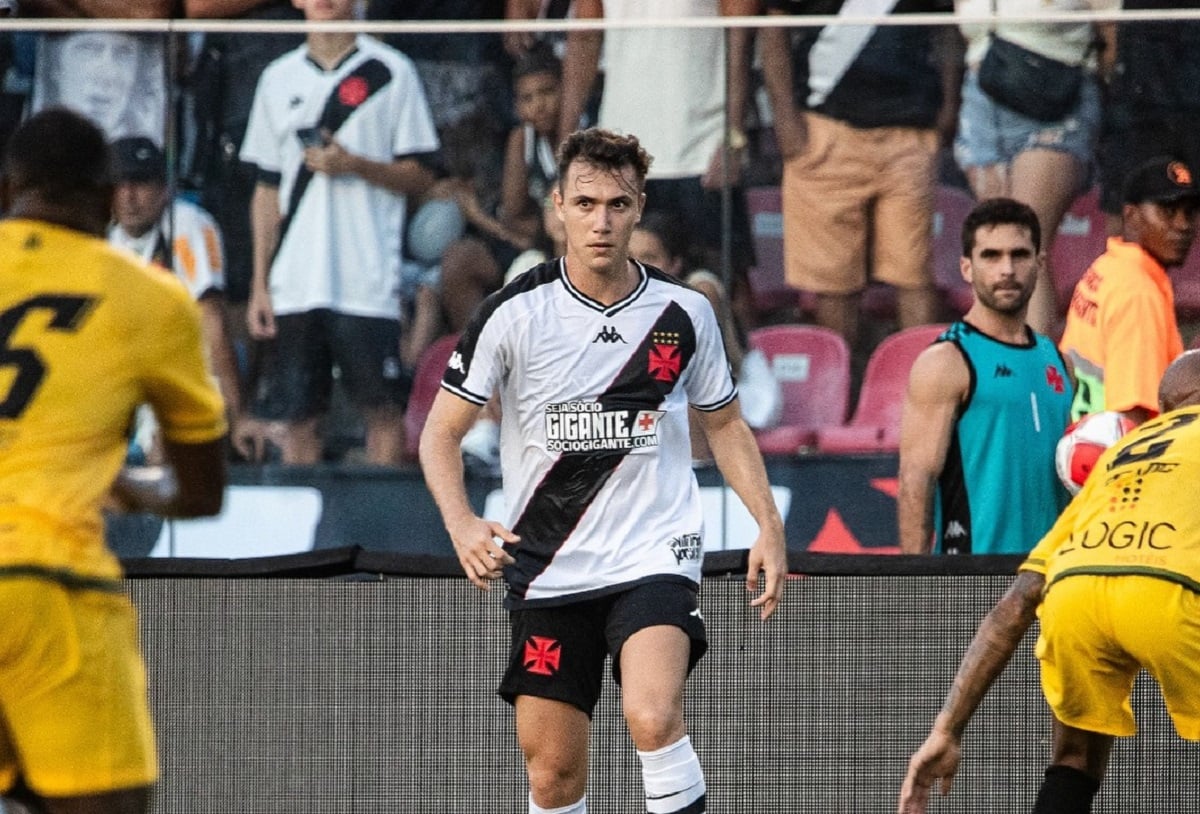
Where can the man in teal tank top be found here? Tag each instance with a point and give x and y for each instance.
(986, 405)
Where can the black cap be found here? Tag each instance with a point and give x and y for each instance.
(1161, 180)
(137, 158)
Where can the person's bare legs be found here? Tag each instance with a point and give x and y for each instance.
(300, 442)
(653, 672)
(1049, 181)
(425, 328)
(385, 435)
(1086, 751)
(839, 312)
(916, 306)
(553, 737)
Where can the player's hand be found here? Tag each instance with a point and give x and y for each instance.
(479, 546)
(249, 438)
(768, 556)
(935, 762)
(332, 159)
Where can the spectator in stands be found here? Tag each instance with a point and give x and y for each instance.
(1121, 331)
(223, 82)
(180, 237)
(680, 89)
(1044, 163)
(1153, 99)
(858, 116)
(95, 73)
(337, 131)
(469, 269)
(986, 405)
(659, 240)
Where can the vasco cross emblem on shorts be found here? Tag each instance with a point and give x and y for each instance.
(542, 655)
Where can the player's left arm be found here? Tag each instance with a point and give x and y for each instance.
(737, 456)
(986, 657)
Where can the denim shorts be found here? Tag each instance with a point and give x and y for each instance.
(989, 133)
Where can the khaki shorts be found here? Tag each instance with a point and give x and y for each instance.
(855, 194)
(1098, 632)
(73, 702)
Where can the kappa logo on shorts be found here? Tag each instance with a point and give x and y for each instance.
(542, 655)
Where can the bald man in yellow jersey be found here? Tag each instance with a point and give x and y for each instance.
(1116, 584)
(87, 333)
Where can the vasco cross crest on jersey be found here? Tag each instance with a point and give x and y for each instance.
(664, 363)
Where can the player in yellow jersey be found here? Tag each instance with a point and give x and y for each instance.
(1116, 584)
(87, 333)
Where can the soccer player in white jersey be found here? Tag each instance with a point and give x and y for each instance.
(598, 361)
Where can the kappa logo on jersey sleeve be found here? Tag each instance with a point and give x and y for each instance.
(456, 363)
(542, 655)
(585, 426)
(665, 360)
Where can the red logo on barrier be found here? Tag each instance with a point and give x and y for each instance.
(542, 655)
(353, 91)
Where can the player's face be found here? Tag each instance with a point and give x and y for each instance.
(1165, 230)
(599, 209)
(137, 205)
(1003, 267)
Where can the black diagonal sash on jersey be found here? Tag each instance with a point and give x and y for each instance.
(376, 75)
(569, 487)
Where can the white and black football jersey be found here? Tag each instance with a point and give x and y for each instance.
(594, 445)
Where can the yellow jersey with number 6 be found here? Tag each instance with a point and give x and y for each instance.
(1137, 511)
(87, 333)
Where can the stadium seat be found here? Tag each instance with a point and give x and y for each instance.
(812, 365)
(1082, 237)
(770, 291)
(875, 425)
(427, 381)
(951, 207)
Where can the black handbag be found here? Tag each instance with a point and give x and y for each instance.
(1027, 82)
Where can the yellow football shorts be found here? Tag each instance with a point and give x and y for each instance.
(1098, 632)
(74, 716)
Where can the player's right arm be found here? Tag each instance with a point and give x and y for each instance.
(937, 386)
(986, 657)
(474, 538)
(192, 484)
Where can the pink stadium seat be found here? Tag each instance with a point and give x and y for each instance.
(812, 365)
(951, 207)
(875, 425)
(1081, 238)
(427, 381)
(767, 286)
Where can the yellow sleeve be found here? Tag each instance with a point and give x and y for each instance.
(176, 378)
